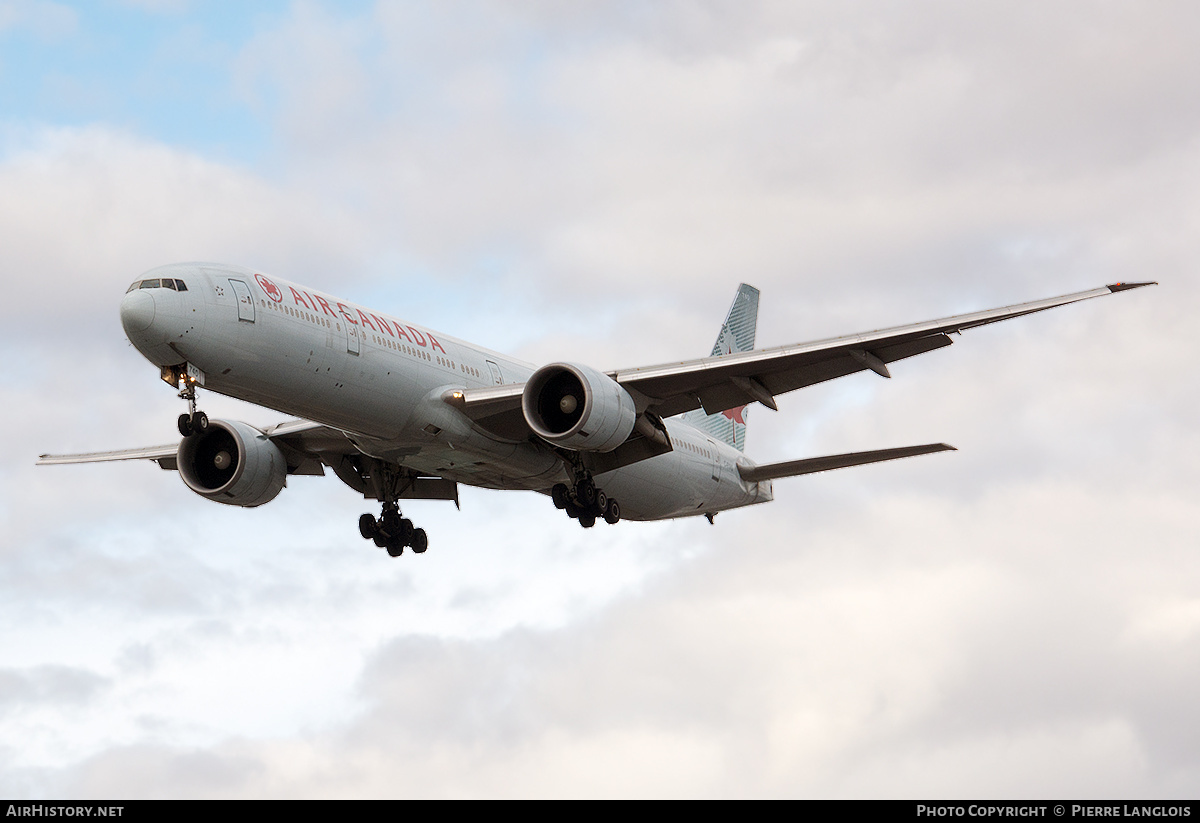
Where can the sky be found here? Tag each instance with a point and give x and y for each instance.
(590, 182)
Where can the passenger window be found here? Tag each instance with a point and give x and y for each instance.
(180, 285)
(149, 284)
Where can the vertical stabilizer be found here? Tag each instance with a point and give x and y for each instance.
(736, 335)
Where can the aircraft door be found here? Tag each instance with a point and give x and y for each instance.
(716, 460)
(497, 378)
(245, 300)
(352, 336)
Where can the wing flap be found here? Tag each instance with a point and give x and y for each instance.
(833, 364)
(788, 374)
(495, 409)
(431, 488)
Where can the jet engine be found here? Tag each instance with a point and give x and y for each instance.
(578, 408)
(232, 463)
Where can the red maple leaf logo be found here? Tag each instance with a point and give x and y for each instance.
(735, 414)
(270, 288)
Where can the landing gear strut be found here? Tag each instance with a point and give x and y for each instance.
(582, 500)
(391, 530)
(194, 421)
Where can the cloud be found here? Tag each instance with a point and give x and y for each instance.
(890, 661)
(47, 684)
(48, 20)
(157, 6)
(128, 204)
(541, 148)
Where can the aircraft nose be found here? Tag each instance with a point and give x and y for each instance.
(137, 311)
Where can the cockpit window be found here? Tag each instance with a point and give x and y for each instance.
(161, 283)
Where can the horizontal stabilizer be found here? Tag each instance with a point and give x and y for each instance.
(792, 468)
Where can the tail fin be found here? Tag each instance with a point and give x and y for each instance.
(737, 335)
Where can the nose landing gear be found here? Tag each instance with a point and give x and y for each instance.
(194, 421)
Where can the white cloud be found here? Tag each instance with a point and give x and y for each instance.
(84, 211)
(891, 660)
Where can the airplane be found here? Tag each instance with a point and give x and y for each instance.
(398, 411)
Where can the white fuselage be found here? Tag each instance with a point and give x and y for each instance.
(382, 380)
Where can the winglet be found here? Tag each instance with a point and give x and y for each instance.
(1116, 287)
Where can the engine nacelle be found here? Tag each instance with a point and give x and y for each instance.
(233, 463)
(578, 408)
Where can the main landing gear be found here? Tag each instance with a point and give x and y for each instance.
(194, 421)
(393, 532)
(584, 502)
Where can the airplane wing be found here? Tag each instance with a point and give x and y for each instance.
(307, 446)
(727, 381)
(158, 454)
(301, 441)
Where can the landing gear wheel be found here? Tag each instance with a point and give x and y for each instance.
(391, 530)
(573, 511)
(587, 520)
(612, 512)
(367, 526)
(585, 491)
(601, 504)
(199, 422)
(561, 495)
(420, 541)
(185, 425)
